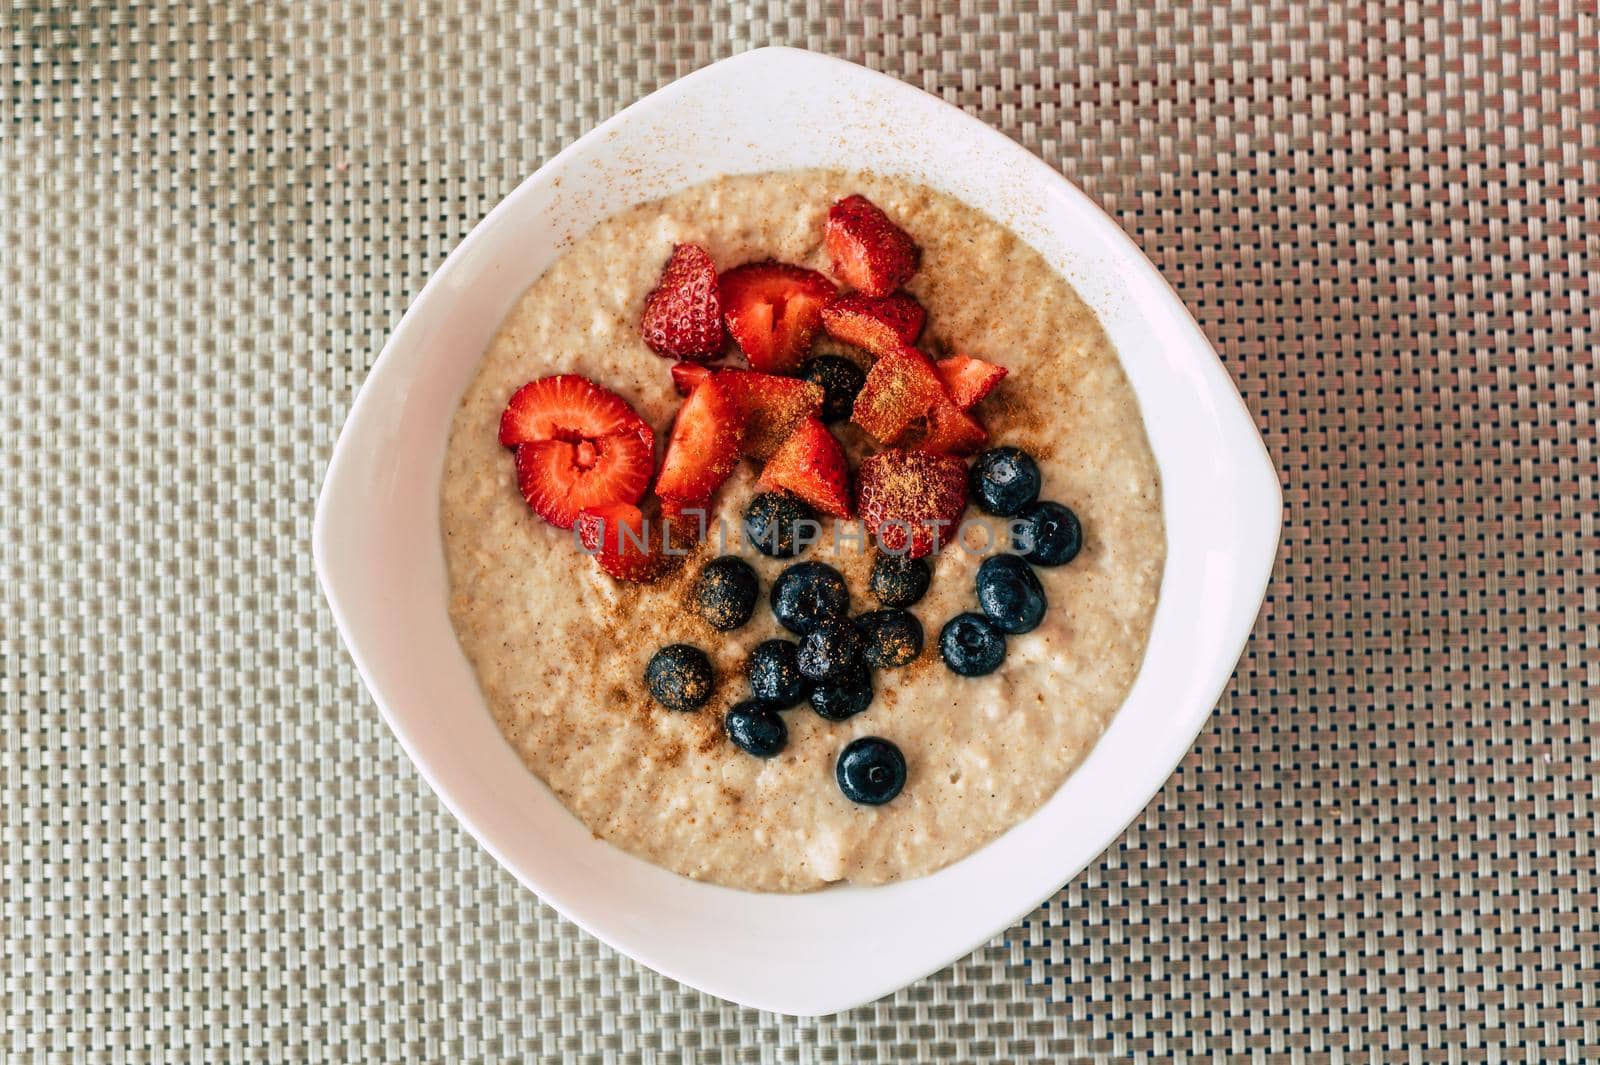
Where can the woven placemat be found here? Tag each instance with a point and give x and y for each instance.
(1383, 846)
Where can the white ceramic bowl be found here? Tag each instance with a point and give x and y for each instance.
(381, 562)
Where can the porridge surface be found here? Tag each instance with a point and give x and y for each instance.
(560, 648)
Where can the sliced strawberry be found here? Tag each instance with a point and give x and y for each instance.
(704, 445)
(685, 375)
(688, 521)
(968, 380)
(901, 387)
(911, 501)
(869, 252)
(874, 324)
(627, 545)
(558, 478)
(683, 314)
(774, 311)
(577, 445)
(952, 431)
(904, 402)
(811, 464)
(567, 407)
(772, 406)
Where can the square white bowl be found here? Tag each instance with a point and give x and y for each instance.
(380, 558)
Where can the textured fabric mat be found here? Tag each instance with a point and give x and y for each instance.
(1382, 847)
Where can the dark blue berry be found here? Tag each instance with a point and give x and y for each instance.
(807, 592)
(971, 646)
(1004, 480)
(726, 591)
(756, 728)
(840, 381)
(1051, 533)
(890, 638)
(679, 677)
(1010, 594)
(844, 697)
(775, 673)
(831, 647)
(898, 580)
(779, 524)
(871, 771)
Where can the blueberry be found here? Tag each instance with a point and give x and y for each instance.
(807, 592)
(756, 728)
(971, 646)
(1052, 534)
(898, 580)
(1003, 480)
(775, 674)
(725, 594)
(871, 771)
(831, 647)
(840, 380)
(679, 677)
(890, 638)
(1010, 593)
(843, 697)
(778, 524)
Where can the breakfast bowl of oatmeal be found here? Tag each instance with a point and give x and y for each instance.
(796, 531)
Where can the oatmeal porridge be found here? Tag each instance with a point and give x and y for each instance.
(561, 647)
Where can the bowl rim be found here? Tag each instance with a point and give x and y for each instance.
(1165, 753)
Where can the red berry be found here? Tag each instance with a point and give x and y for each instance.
(869, 252)
(952, 431)
(683, 314)
(968, 380)
(577, 445)
(874, 324)
(688, 520)
(905, 402)
(911, 501)
(901, 387)
(685, 375)
(772, 406)
(773, 311)
(627, 545)
(811, 464)
(704, 445)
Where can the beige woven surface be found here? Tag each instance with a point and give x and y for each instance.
(1383, 846)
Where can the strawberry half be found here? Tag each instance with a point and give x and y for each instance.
(869, 252)
(683, 314)
(901, 387)
(773, 311)
(772, 406)
(689, 521)
(904, 402)
(626, 545)
(811, 464)
(686, 375)
(952, 431)
(911, 501)
(704, 445)
(968, 380)
(874, 324)
(577, 445)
